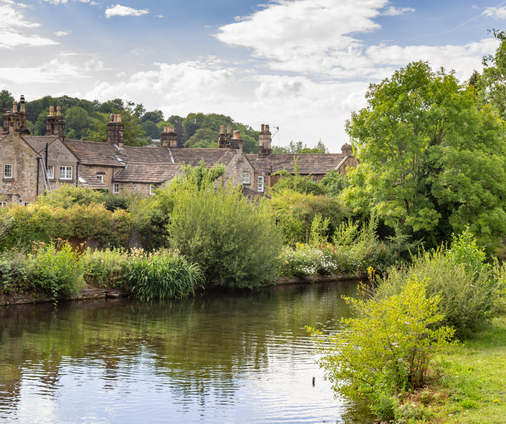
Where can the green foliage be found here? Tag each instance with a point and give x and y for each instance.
(492, 83)
(461, 278)
(295, 212)
(104, 268)
(133, 133)
(203, 137)
(77, 122)
(46, 223)
(300, 147)
(161, 275)
(6, 100)
(296, 182)
(432, 160)
(388, 348)
(56, 271)
(151, 130)
(68, 195)
(236, 243)
(333, 183)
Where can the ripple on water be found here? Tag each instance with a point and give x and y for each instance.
(229, 359)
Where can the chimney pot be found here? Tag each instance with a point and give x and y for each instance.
(51, 110)
(229, 130)
(222, 129)
(263, 128)
(14, 106)
(58, 111)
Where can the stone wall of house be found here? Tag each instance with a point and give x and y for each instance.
(58, 155)
(350, 162)
(22, 187)
(236, 168)
(137, 188)
(107, 173)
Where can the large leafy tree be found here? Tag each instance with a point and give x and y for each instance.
(133, 133)
(6, 100)
(432, 160)
(493, 80)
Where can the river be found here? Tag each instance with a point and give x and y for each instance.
(240, 357)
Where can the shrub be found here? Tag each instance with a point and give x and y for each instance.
(236, 243)
(160, 275)
(458, 275)
(388, 348)
(58, 272)
(104, 267)
(68, 195)
(295, 213)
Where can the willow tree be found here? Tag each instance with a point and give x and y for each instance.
(432, 159)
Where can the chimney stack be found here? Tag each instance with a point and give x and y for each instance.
(222, 138)
(115, 130)
(14, 121)
(264, 142)
(236, 143)
(347, 149)
(55, 124)
(169, 137)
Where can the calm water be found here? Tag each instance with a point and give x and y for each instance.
(220, 358)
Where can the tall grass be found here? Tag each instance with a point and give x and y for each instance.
(160, 275)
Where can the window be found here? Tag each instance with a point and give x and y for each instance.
(65, 172)
(50, 172)
(152, 189)
(2, 204)
(260, 184)
(27, 203)
(115, 188)
(100, 178)
(245, 178)
(8, 170)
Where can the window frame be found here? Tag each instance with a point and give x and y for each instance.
(100, 178)
(151, 188)
(246, 178)
(3, 204)
(65, 168)
(260, 184)
(50, 172)
(11, 176)
(115, 188)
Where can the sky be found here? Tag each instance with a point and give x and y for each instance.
(302, 66)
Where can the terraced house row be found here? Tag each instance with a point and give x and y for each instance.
(30, 165)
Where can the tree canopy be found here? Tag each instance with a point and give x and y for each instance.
(432, 158)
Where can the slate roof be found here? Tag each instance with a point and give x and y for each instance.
(87, 179)
(147, 173)
(38, 142)
(194, 156)
(252, 195)
(309, 163)
(94, 153)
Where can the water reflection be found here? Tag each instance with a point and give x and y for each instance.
(241, 357)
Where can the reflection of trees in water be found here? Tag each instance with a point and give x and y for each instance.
(195, 346)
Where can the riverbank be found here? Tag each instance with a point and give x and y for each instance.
(472, 389)
(90, 292)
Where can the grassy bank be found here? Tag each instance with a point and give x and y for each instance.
(472, 387)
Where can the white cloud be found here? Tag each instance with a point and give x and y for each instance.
(13, 27)
(394, 11)
(119, 10)
(495, 12)
(320, 37)
(62, 33)
(92, 3)
(54, 71)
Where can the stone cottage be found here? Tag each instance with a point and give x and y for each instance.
(32, 164)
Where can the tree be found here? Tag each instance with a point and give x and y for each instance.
(300, 147)
(203, 137)
(154, 116)
(77, 122)
(6, 100)
(133, 133)
(431, 160)
(493, 80)
(151, 129)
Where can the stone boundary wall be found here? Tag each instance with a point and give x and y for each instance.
(107, 293)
